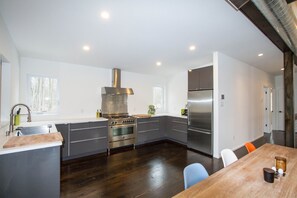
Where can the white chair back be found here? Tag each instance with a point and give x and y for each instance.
(228, 157)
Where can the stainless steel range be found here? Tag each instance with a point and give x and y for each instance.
(121, 132)
(114, 106)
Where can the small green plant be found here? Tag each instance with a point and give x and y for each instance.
(151, 110)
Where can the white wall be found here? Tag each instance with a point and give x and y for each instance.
(9, 51)
(143, 91)
(177, 92)
(80, 87)
(239, 117)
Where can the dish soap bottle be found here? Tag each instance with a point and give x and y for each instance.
(97, 114)
(17, 119)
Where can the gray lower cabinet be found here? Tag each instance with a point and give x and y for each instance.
(88, 138)
(150, 129)
(82, 139)
(177, 129)
(63, 129)
(33, 173)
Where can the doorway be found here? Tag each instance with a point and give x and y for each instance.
(279, 111)
(268, 109)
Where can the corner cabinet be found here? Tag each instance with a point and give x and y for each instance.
(200, 79)
(63, 129)
(150, 129)
(177, 130)
(82, 139)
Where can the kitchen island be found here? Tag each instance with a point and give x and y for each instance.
(30, 165)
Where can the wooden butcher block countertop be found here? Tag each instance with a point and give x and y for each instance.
(142, 116)
(33, 139)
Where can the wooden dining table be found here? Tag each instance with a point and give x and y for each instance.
(244, 178)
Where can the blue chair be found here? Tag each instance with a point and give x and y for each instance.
(193, 174)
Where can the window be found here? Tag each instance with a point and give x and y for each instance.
(43, 94)
(158, 98)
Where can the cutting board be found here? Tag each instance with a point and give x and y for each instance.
(33, 139)
(142, 116)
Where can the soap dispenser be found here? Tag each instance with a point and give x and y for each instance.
(97, 114)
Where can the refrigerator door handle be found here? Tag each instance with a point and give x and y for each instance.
(200, 131)
(189, 115)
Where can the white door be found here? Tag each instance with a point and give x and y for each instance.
(267, 128)
(280, 113)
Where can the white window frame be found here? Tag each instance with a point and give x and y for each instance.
(29, 97)
(162, 108)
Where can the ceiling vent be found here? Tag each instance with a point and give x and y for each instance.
(281, 16)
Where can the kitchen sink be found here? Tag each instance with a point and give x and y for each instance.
(33, 130)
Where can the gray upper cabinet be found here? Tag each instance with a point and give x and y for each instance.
(200, 79)
(193, 79)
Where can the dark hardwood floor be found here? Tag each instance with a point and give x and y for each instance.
(149, 171)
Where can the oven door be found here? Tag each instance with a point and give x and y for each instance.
(121, 132)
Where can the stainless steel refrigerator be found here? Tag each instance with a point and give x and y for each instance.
(200, 120)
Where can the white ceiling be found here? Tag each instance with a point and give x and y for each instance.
(138, 33)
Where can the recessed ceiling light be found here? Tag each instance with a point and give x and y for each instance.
(104, 15)
(190, 70)
(86, 48)
(192, 47)
(282, 69)
(158, 63)
(260, 54)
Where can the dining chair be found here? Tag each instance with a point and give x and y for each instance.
(228, 157)
(193, 174)
(250, 147)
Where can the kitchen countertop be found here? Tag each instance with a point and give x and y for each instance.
(72, 120)
(32, 142)
(43, 141)
(170, 114)
(160, 114)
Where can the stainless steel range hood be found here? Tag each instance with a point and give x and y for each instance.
(116, 85)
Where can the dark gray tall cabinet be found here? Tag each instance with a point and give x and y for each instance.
(200, 79)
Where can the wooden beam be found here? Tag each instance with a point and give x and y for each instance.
(249, 9)
(237, 4)
(289, 98)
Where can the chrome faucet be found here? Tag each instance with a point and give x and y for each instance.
(11, 124)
